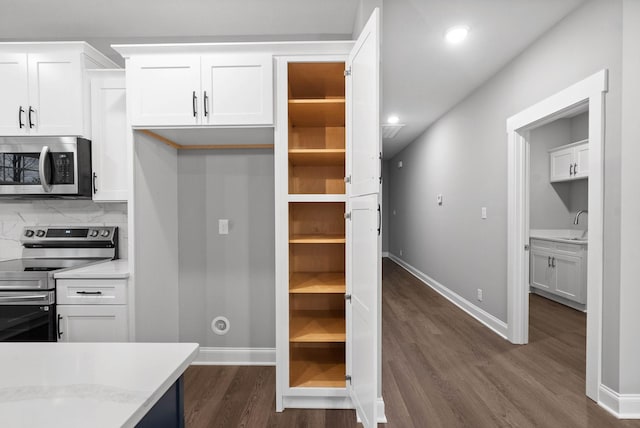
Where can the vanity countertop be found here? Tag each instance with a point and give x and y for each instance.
(567, 236)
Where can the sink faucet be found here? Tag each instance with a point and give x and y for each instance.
(575, 221)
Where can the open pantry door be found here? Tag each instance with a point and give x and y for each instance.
(363, 228)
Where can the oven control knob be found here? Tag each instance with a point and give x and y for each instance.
(93, 233)
(28, 233)
(40, 233)
(104, 233)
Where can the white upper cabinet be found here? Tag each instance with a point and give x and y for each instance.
(109, 143)
(570, 162)
(201, 90)
(44, 88)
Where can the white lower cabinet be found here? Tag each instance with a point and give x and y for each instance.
(92, 310)
(560, 269)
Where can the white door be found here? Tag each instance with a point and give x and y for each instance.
(14, 100)
(569, 283)
(363, 111)
(109, 137)
(363, 243)
(581, 161)
(363, 270)
(542, 274)
(92, 323)
(165, 90)
(55, 95)
(561, 165)
(237, 89)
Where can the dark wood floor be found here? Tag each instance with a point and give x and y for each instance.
(441, 368)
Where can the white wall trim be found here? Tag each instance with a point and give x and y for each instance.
(385, 254)
(622, 406)
(381, 416)
(590, 92)
(235, 357)
(497, 326)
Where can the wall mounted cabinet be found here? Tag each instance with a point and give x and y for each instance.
(205, 90)
(45, 90)
(570, 162)
(109, 143)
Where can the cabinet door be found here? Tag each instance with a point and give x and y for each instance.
(542, 274)
(14, 99)
(581, 161)
(363, 112)
(363, 230)
(568, 279)
(109, 137)
(237, 89)
(55, 94)
(561, 165)
(164, 90)
(92, 323)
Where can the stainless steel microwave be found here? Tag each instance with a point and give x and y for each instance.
(45, 167)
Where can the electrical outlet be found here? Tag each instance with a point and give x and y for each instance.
(484, 213)
(223, 226)
(439, 199)
(480, 294)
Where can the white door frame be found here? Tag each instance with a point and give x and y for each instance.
(592, 91)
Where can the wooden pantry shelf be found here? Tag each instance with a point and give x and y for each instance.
(317, 112)
(317, 156)
(317, 283)
(319, 367)
(317, 239)
(317, 326)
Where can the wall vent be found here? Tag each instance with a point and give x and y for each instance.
(390, 131)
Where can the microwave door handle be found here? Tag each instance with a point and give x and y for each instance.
(44, 155)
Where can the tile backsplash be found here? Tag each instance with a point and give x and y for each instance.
(14, 215)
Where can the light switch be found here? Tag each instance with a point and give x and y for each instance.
(484, 212)
(223, 226)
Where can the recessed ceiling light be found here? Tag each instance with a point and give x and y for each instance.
(393, 119)
(457, 34)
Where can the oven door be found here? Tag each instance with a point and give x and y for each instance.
(38, 166)
(27, 316)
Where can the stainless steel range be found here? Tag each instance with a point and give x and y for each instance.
(27, 285)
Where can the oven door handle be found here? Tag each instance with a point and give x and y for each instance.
(44, 156)
(14, 299)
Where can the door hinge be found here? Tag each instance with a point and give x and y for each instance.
(380, 180)
(526, 247)
(347, 72)
(347, 216)
(347, 297)
(380, 156)
(347, 179)
(348, 379)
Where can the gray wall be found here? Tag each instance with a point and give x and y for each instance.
(464, 157)
(385, 206)
(14, 215)
(554, 205)
(156, 240)
(230, 275)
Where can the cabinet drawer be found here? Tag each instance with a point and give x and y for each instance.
(91, 292)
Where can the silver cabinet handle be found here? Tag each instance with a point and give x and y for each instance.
(58, 327)
(194, 101)
(44, 154)
(553, 262)
(95, 188)
(94, 293)
(205, 102)
(570, 169)
(20, 113)
(31, 111)
(549, 261)
(575, 168)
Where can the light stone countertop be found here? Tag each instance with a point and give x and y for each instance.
(114, 269)
(69, 385)
(566, 236)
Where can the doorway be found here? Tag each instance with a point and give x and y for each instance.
(587, 94)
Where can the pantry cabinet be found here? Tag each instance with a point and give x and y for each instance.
(205, 90)
(109, 143)
(328, 229)
(570, 162)
(45, 88)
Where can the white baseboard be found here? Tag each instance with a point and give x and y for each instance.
(622, 406)
(385, 254)
(493, 323)
(381, 416)
(236, 357)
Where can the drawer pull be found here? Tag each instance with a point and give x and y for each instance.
(90, 293)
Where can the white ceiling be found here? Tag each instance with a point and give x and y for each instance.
(422, 76)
